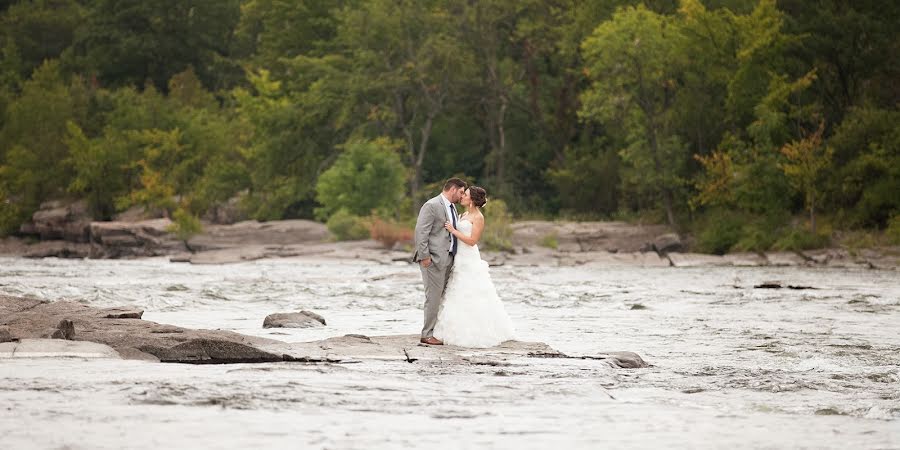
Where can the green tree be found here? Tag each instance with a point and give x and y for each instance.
(129, 43)
(634, 61)
(368, 176)
(806, 159)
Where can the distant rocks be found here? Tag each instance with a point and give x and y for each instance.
(129, 239)
(57, 220)
(302, 319)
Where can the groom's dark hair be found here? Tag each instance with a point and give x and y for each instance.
(455, 182)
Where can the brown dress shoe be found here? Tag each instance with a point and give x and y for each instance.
(431, 341)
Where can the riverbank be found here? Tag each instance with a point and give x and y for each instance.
(64, 231)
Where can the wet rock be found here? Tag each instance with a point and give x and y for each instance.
(122, 313)
(669, 242)
(56, 348)
(65, 329)
(5, 336)
(211, 351)
(135, 354)
(697, 260)
(58, 249)
(302, 319)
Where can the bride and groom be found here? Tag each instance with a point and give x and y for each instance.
(461, 305)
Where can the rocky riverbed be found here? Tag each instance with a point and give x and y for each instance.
(739, 357)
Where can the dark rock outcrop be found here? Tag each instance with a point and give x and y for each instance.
(142, 238)
(669, 242)
(28, 319)
(5, 336)
(57, 220)
(302, 319)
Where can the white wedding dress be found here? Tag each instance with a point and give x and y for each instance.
(472, 314)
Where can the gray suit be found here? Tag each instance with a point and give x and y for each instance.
(433, 241)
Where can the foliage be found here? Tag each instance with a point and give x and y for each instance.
(696, 113)
(497, 235)
(347, 227)
(389, 232)
(184, 224)
(368, 176)
(550, 240)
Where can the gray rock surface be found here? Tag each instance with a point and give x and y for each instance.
(27, 319)
(253, 233)
(58, 220)
(302, 319)
(127, 239)
(141, 339)
(56, 348)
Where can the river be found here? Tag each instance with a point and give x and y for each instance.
(731, 366)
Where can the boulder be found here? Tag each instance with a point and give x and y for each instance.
(142, 238)
(669, 242)
(302, 319)
(4, 335)
(58, 220)
(28, 319)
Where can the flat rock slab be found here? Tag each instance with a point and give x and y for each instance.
(135, 338)
(56, 348)
(90, 333)
(697, 260)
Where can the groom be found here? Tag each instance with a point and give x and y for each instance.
(435, 249)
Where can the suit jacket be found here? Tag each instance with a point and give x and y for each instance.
(432, 239)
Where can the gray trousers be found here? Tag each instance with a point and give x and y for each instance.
(435, 279)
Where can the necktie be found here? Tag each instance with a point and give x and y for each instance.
(452, 237)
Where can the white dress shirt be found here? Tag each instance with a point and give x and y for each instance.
(450, 217)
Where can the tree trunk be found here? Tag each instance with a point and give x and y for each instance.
(812, 212)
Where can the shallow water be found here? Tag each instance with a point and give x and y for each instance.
(732, 366)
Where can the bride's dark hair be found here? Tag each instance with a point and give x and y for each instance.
(478, 196)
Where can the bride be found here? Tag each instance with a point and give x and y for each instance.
(472, 314)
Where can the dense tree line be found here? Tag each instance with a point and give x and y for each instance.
(755, 124)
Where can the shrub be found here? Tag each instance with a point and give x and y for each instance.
(719, 232)
(550, 240)
(803, 239)
(388, 233)
(497, 234)
(893, 230)
(367, 176)
(347, 227)
(185, 224)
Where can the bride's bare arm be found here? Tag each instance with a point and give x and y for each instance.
(477, 228)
